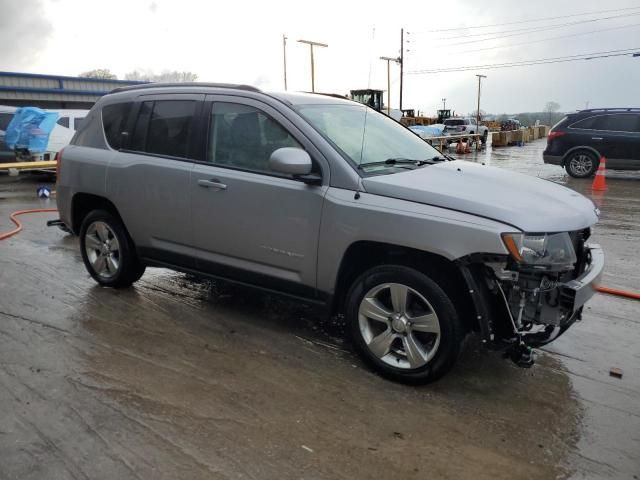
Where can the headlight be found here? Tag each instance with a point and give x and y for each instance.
(549, 250)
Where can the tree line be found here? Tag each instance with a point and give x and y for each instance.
(143, 75)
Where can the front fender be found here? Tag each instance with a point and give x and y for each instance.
(348, 218)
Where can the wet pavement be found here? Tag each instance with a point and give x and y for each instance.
(183, 378)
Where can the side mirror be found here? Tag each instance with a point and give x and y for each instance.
(296, 162)
(293, 161)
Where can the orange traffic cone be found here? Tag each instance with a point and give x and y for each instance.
(600, 182)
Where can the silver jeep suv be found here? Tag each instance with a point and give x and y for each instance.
(329, 201)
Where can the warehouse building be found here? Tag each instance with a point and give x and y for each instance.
(54, 91)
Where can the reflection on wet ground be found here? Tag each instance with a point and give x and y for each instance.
(184, 378)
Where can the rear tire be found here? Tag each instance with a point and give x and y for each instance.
(403, 324)
(108, 252)
(581, 164)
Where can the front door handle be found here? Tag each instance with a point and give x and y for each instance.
(596, 138)
(212, 184)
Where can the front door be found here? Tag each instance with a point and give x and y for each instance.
(250, 223)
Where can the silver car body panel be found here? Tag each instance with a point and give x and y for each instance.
(527, 203)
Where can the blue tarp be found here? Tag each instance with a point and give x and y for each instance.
(29, 129)
(431, 131)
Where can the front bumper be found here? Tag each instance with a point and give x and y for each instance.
(573, 295)
(581, 289)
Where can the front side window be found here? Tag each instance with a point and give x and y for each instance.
(244, 137)
(371, 140)
(114, 121)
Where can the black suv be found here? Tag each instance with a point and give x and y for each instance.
(579, 140)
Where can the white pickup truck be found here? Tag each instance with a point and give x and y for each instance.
(462, 125)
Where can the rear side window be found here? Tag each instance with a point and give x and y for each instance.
(623, 122)
(114, 120)
(78, 122)
(63, 121)
(5, 119)
(164, 127)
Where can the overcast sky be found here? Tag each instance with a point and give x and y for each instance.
(242, 42)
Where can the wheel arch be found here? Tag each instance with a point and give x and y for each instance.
(83, 203)
(363, 255)
(573, 150)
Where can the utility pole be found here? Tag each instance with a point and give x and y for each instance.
(401, 63)
(313, 71)
(444, 104)
(389, 60)
(284, 58)
(480, 77)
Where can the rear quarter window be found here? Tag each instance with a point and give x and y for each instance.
(588, 123)
(114, 121)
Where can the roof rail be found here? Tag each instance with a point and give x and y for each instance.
(145, 86)
(619, 109)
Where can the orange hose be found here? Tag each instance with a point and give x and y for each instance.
(618, 292)
(4, 236)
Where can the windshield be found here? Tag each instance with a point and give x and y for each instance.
(365, 136)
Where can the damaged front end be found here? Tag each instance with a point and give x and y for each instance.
(530, 297)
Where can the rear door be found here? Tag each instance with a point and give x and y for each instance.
(249, 222)
(621, 133)
(614, 136)
(149, 178)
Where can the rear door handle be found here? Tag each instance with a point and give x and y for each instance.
(212, 184)
(596, 138)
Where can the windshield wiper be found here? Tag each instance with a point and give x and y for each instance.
(399, 161)
(391, 161)
(439, 158)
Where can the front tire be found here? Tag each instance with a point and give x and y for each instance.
(484, 137)
(108, 252)
(581, 164)
(403, 324)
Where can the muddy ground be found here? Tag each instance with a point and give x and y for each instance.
(183, 378)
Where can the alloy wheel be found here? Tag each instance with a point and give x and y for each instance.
(581, 165)
(102, 249)
(399, 326)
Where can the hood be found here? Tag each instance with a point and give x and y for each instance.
(528, 203)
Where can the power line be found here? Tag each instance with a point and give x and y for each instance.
(523, 63)
(527, 30)
(526, 21)
(590, 32)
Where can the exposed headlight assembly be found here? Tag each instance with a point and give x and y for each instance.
(541, 250)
